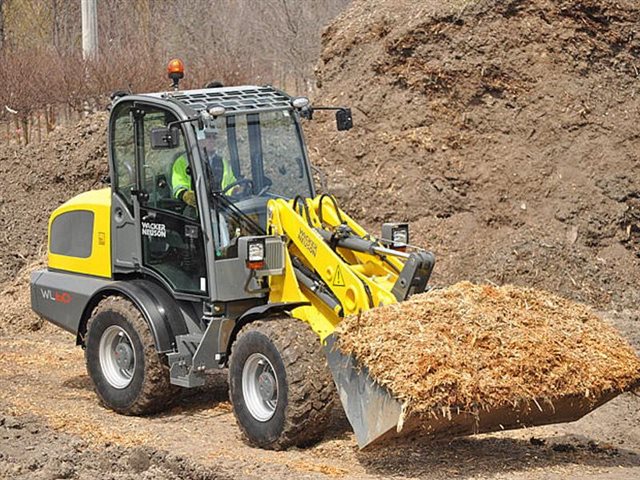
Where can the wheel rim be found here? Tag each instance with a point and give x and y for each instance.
(117, 357)
(260, 387)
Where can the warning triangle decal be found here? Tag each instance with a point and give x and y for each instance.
(338, 281)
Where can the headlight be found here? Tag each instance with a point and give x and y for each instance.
(400, 235)
(255, 254)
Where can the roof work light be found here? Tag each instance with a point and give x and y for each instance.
(175, 70)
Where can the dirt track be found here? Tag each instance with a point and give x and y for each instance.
(52, 427)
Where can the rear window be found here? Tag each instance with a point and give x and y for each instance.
(72, 234)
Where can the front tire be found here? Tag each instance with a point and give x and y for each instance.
(128, 374)
(279, 383)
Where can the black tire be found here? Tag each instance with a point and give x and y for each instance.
(305, 394)
(148, 390)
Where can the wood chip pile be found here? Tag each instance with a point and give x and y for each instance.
(484, 347)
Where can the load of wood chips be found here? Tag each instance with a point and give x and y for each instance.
(480, 347)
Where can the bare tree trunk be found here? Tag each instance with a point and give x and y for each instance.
(38, 126)
(54, 25)
(50, 118)
(89, 29)
(145, 22)
(2, 2)
(25, 129)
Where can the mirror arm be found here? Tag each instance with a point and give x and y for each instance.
(330, 108)
(178, 122)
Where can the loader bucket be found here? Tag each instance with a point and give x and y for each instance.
(376, 416)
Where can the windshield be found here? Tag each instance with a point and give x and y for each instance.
(251, 158)
(256, 154)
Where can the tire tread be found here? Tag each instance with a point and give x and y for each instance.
(309, 382)
(156, 392)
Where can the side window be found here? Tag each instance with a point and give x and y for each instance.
(123, 151)
(172, 240)
(162, 168)
(282, 154)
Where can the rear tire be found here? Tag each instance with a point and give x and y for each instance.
(279, 383)
(128, 374)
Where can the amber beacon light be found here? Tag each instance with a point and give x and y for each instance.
(175, 70)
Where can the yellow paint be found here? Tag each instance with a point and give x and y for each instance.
(99, 263)
(345, 272)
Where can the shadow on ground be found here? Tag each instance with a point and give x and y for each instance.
(490, 455)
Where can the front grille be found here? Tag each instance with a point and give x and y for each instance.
(274, 255)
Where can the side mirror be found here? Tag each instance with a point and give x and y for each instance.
(343, 119)
(164, 138)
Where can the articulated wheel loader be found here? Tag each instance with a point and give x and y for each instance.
(212, 250)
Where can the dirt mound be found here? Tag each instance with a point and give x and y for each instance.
(504, 131)
(16, 315)
(33, 451)
(39, 177)
(479, 347)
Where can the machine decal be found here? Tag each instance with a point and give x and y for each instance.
(154, 230)
(308, 242)
(59, 297)
(338, 280)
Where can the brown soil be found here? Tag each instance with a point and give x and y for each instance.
(33, 451)
(38, 178)
(16, 315)
(50, 419)
(505, 132)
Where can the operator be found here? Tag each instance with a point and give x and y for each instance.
(221, 170)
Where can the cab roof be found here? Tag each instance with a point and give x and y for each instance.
(238, 99)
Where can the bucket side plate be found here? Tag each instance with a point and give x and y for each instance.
(371, 410)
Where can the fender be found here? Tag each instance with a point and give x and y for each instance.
(159, 309)
(258, 313)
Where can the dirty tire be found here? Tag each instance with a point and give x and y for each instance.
(148, 390)
(305, 394)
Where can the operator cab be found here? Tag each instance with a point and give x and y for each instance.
(250, 150)
(233, 149)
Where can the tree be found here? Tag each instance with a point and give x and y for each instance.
(2, 2)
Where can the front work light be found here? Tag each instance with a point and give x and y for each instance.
(300, 102)
(397, 234)
(255, 254)
(216, 110)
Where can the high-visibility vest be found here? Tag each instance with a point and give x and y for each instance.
(227, 174)
(181, 179)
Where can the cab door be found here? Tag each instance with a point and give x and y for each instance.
(170, 230)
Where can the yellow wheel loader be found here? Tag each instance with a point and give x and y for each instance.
(159, 285)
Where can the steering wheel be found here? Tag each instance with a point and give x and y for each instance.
(248, 186)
